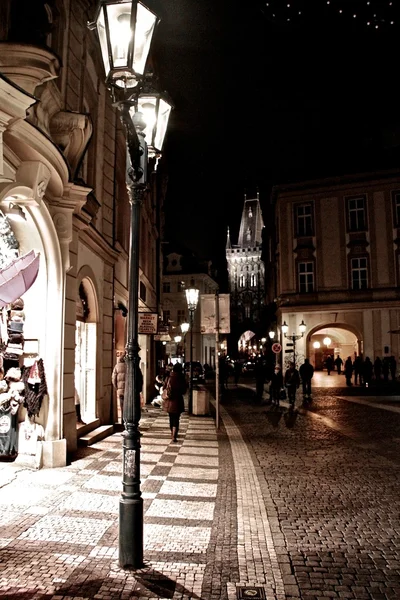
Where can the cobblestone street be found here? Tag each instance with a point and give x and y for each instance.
(276, 505)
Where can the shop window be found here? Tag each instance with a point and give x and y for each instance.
(396, 208)
(166, 287)
(356, 214)
(359, 273)
(306, 277)
(304, 220)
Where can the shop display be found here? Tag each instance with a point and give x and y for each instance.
(22, 382)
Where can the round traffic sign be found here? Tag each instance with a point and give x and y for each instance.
(276, 348)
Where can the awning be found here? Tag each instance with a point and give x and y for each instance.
(17, 277)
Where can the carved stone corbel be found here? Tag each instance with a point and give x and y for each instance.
(62, 219)
(71, 132)
(36, 175)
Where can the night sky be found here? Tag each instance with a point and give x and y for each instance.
(261, 100)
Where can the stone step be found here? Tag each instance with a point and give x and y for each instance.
(96, 435)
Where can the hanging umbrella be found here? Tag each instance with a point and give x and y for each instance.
(17, 277)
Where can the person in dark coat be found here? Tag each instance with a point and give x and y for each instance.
(175, 404)
(392, 367)
(348, 370)
(378, 369)
(306, 373)
(292, 382)
(329, 364)
(368, 368)
(276, 385)
(338, 364)
(358, 370)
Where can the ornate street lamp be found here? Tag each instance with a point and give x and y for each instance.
(192, 299)
(294, 337)
(125, 30)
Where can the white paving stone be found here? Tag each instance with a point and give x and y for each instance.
(104, 482)
(67, 529)
(197, 460)
(189, 488)
(89, 502)
(184, 509)
(193, 473)
(173, 538)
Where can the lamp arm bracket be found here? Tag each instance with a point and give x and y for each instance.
(135, 149)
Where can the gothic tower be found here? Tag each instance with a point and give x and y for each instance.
(246, 272)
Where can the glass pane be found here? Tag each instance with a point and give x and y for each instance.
(145, 23)
(119, 21)
(148, 105)
(101, 30)
(162, 123)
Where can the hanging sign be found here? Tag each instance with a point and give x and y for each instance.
(277, 348)
(147, 323)
(207, 307)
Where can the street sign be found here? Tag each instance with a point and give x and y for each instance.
(289, 350)
(276, 348)
(289, 344)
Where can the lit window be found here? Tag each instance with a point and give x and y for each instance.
(253, 279)
(356, 214)
(359, 273)
(306, 277)
(304, 220)
(166, 287)
(241, 280)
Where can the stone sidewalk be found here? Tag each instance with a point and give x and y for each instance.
(210, 528)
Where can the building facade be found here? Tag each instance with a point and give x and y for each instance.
(62, 160)
(337, 265)
(246, 278)
(177, 277)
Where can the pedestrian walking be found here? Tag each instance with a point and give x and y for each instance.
(348, 370)
(276, 385)
(173, 402)
(338, 364)
(306, 372)
(329, 364)
(118, 379)
(358, 370)
(392, 367)
(368, 368)
(377, 369)
(292, 382)
(385, 368)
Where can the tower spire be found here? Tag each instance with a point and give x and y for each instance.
(228, 240)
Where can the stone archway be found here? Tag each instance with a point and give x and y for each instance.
(332, 339)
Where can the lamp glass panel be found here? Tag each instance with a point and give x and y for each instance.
(164, 110)
(101, 30)
(316, 345)
(271, 334)
(302, 327)
(192, 298)
(119, 23)
(145, 24)
(327, 341)
(185, 327)
(148, 106)
(284, 328)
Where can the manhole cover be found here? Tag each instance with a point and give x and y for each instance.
(253, 592)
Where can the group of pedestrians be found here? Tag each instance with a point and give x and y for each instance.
(364, 371)
(289, 383)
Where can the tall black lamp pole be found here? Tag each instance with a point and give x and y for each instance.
(294, 337)
(192, 298)
(125, 30)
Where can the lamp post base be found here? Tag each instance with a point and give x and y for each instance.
(131, 533)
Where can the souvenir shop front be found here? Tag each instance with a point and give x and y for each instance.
(26, 409)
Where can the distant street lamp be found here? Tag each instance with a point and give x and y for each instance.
(125, 30)
(271, 334)
(192, 299)
(294, 337)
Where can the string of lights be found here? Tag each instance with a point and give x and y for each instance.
(368, 14)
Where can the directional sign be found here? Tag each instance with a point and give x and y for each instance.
(289, 343)
(289, 350)
(276, 348)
